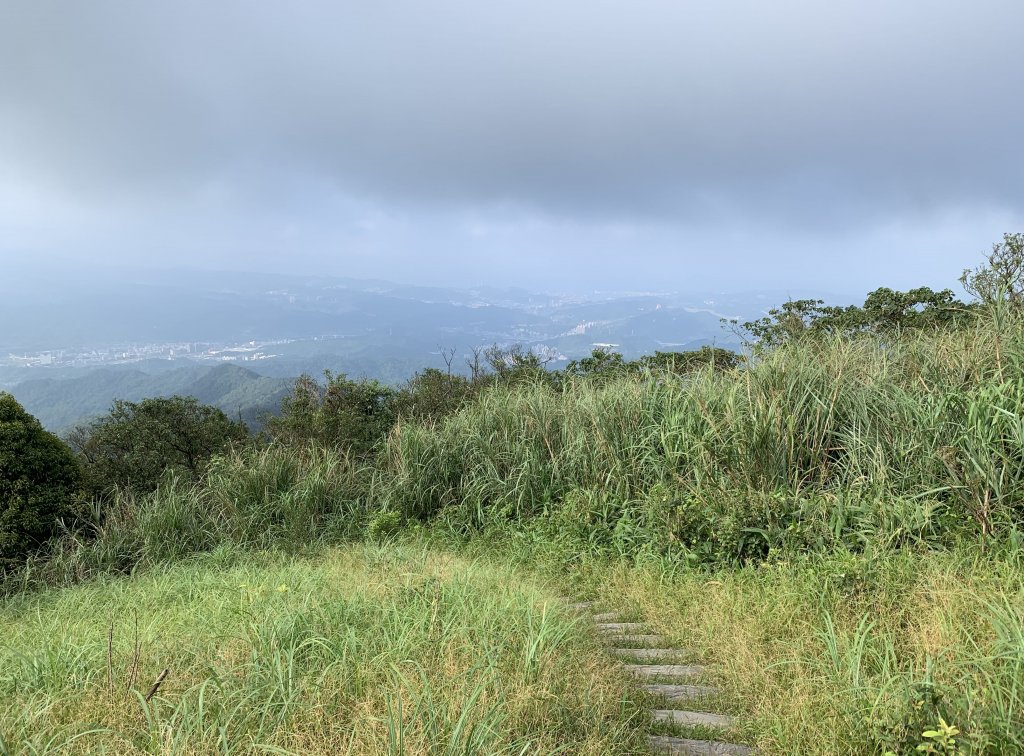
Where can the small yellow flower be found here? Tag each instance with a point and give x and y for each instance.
(282, 588)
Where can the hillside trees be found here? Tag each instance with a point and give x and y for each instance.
(136, 442)
(346, 414)
(39, 481)
(603, 364)
(682, 363)
(884, 311)
(433, 393)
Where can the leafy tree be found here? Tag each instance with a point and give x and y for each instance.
(39, 482)
(1002, 274)
(884, 311)
(792, 320)
(517, 364)
(353, 415)
(601, 363)
(134, 444)
(887, 310)
(433, 393)
(681, 363)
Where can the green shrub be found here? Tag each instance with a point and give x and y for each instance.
(383, 525)
(39, 482)
(137, 442)
(352, 416)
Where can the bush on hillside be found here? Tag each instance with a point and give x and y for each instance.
(344, 414)
(133, 445)
(433, 393)
(39, 482)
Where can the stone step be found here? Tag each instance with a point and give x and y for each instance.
(621, 627)
(665, 670)
(648, 640)
(679, 692)
(667, 744)
(691, 718)
(607, 617)
(646, 654)
(581, 606)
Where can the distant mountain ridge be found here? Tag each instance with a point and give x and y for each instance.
(60, 404)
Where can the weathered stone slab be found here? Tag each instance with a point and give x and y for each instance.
(679, 692)
(664, 670)
(637, 640)
(666, 744)
(645, 654)
(691, 718)
(621, 627)
(607, 617)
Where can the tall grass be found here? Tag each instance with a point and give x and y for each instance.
(845, 653)
(362, 651)
(901, 438)
(275, 497)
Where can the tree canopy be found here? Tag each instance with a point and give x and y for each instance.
(137, 441)
(39, 482)
(884, 310)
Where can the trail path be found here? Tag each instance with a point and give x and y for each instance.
(660, 672)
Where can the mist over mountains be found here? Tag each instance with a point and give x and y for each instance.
(227, 308)
(70, 344)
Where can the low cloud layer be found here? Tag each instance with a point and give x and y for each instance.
(598, 143)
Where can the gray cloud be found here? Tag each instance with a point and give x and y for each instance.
(528, 138)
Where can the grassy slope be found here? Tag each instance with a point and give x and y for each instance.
(835, 653)
(358, 650)
(849, 654)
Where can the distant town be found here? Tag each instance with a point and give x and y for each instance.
(122, 354)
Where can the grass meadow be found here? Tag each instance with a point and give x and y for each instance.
(364, 649)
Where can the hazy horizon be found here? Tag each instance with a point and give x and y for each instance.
(653, 145)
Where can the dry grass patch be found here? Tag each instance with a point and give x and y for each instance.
(360, 650)
(849, 654)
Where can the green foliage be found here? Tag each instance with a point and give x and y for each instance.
(344, 414)
(683, 363)
(39, 482)
(432, 394)
(136, 442)
(383, 526)
(362, 650)
(600, 364)
(816, 445)
(603, 365)
(793, 320)
(1001, 277)
(885, 311)
(275, 497)
(514, 366)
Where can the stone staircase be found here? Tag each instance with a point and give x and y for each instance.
(660, 672)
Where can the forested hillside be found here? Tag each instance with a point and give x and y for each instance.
(61, 404)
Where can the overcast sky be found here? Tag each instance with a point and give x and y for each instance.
(657, 144)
